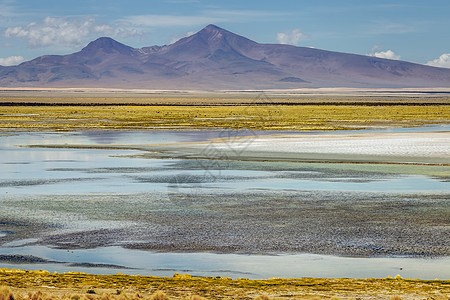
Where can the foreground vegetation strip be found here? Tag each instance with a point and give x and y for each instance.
(180, 286)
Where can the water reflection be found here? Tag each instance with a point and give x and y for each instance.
(231, 265)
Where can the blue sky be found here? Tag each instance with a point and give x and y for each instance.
(416, 31)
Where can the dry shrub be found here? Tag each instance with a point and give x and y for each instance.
(122, 296)
(159, 296)
(105, 296)
(195, 297)
(262, 297)
(396, 298)
(37, 296)
(6, 293)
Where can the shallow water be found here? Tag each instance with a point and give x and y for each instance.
(36, 171)
(232, 265)
(48, 194)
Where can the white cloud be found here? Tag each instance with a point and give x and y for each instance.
(11, 61)
(170, 20)
(389, 54)
(292, 37)
(443, 61)
(176, 38)
(65, 32)
(204, 17)
(385, 27)
(245, 15)
(183, 1)
(7, 10)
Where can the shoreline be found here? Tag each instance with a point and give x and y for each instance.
(182, 286)
(112, 259)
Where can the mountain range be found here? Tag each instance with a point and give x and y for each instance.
(216, 59)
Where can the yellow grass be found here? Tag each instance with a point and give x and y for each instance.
(270, 117)
(34, 285)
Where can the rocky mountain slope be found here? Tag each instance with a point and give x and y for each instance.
(215, 59)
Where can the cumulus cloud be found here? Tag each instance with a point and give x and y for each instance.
(11, 61)
(443, 61)
(389, 54)
(291, 37)
(65, 32)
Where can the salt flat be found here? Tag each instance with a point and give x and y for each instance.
(411, 144)
(428, 148)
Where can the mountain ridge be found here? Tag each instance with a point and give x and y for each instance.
(214, 59)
